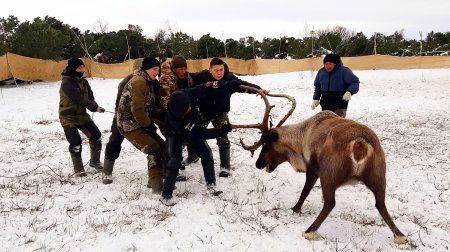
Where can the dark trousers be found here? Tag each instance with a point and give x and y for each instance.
(174, 148)
(114, 144)
(90, 130)
(217, 121)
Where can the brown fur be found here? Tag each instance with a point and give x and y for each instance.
(336, 151)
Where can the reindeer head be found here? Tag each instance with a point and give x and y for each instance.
(271, 155)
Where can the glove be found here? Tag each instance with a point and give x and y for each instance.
(211, 84)
(100, 109)
(151, 130)
(157, 113)
(226, 128)
(315, 104)
(347, 96)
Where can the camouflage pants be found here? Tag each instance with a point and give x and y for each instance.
(152, 145)
(217, 122)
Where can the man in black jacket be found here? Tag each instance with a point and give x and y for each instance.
(114, 144)
(214, 109)
(183, 122)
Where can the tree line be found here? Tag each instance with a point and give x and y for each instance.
(49, 38)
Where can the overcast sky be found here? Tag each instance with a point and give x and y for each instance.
(239, 18)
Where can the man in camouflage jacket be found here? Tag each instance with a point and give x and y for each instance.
(175, 77)
(137, 113)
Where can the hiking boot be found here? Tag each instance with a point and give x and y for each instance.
(224, 172)
(80, 174)
(211, 188)
(107, 179)
(181, 176)
(167, 201)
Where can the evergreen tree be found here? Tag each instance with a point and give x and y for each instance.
(8, 27)
(38, 39)
(209, 47)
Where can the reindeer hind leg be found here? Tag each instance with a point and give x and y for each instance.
(378, 188)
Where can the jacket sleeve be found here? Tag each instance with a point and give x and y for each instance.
(233, 86)
(198, 132)
(138, 88)
(120, 89)
(317, 89)
(352, 81)
(168, 86)
(76, 97)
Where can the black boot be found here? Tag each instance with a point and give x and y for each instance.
(224, 154)
(78, 166)
(96, 149)
(107, 171)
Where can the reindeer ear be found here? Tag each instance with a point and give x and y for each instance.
(274, 136)
(271, 136)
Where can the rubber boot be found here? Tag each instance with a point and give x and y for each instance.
(96, 149)
(78, 166)
(155, 173)
(107, 171)
(224, 154)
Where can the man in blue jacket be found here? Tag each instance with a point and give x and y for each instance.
(334, 86)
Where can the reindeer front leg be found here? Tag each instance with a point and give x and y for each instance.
(311, 179)
(328, 191)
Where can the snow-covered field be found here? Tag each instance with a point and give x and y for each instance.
(42, 208)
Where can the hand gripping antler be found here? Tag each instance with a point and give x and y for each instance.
(263, 127)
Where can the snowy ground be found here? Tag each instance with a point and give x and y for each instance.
(42, 208)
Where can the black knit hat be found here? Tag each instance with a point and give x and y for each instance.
(178, 103)
(149, 62)
(178, 61)
(333, 58)
(73, 64)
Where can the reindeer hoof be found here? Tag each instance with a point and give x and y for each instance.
(295, 210)
(312, 236)
(399, 240)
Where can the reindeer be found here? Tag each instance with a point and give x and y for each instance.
(335, 150)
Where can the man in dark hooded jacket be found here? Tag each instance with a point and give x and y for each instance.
(75, 97)
(183, 122)
(334, 86)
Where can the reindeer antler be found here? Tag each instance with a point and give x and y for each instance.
(289, 113)
(263, 127)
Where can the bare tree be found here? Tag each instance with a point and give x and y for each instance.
(421, 39)
(101, 26)
(375, 43)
